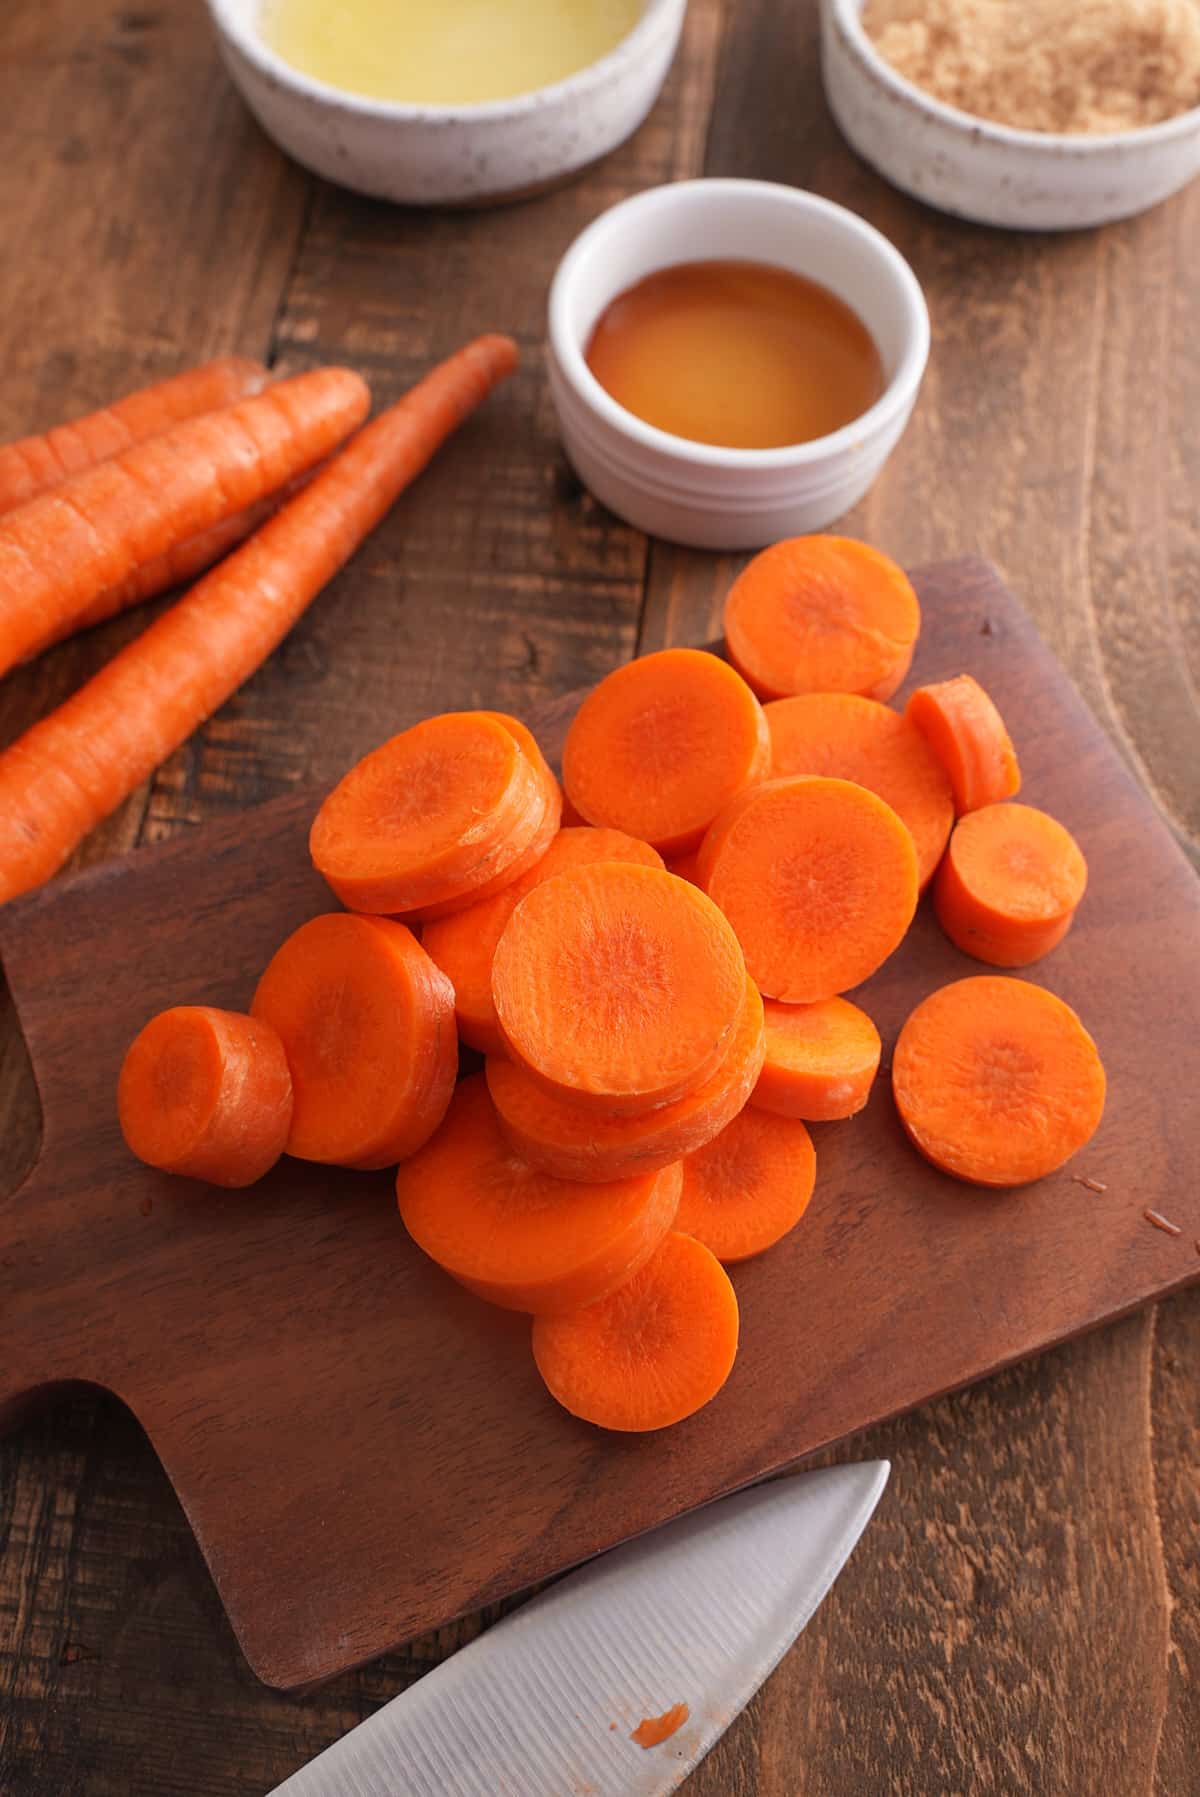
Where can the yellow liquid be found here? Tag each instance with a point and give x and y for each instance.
(444, 52)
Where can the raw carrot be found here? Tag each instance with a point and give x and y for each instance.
(520, 1238)
(820, 1061)
(822, 615)
(206, 1093)
(967, 734)
(76, 765)
(367, 1024)
(1010, 884)
(662, 744)
(847, 737)
(686, 867)
(749, 1186)
(819, 880)
(464, 945)
(554, 1134)
(997, 1081)
(34, 465)
(63, 550)
(654, 1352)
(618, 985)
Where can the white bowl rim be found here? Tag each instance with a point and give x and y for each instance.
(848, 15)
(226, 15)
(896, 396)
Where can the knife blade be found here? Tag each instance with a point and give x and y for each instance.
(697, 1612)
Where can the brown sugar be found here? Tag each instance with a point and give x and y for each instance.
(1075, 66)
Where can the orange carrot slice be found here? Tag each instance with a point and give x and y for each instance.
(822, 615)
(686, 867)
(820, 1061)
(464, 945)
(206, 1093)
(367, 1024)
(749, 1186)
(556, 1135)
(967, 734)
(1010, 884)
(656, 1351)
(662, 744)
(819, 880)
(618, 985)
(38, 464)
(517, 1237)
(997, 1081)
(845, 737)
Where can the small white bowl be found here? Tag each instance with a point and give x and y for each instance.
(990, 173)
(450, 155)
(696, 493)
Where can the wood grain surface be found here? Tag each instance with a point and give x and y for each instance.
(1025, 1614)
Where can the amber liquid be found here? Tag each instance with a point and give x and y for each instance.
(739, 354)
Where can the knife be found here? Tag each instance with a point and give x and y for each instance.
(696, 1613)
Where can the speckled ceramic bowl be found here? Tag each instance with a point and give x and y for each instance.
(1028, 180)
(450, 155)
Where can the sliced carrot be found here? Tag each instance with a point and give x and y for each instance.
(654, 1352)
(618, 985)
(822, 615)
(967, 734)
(76, 765)
(34, 465)
(522, 1238)
(63, 550)
(686, 867)
(820, 1061)
(1010, 884)
(749, 1186)
(662, 744)
(556, 1135)
(819, 880)
(367, 1024)
(845, 737)
(997, 1081)
(206, 1093)
(464, 945)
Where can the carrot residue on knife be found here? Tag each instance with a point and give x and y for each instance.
(651, 1731)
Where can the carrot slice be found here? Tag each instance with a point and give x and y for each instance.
(662, 744)
(997, 1081)
(206, 1093)
(749, 1186)
(367, 1024)
(464, 945)
(686, 867)
(618, 985)
(654, 1352)
(819, 880)
(431, 814)
(518, 1237)
(556, 1135)
(822, 615)
(37, 464)
(967, 734)
(1010, 884)
(820, 1061)
(845, 737)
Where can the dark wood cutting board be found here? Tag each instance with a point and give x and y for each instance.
(364, 1450)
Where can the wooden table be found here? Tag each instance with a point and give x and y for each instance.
(1024, 1614)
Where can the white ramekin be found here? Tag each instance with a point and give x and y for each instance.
(695, 493)
(450, 155)
(1027, 180)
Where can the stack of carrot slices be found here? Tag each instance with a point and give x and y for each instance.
(657, 1035)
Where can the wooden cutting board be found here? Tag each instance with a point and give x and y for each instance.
(365, 1451)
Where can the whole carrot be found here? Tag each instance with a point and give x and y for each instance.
(76, 765)
(60, 552)
(34, 465)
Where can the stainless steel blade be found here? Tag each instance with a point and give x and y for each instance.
(543, 1705)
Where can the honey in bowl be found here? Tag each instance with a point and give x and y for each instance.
(743, 355)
